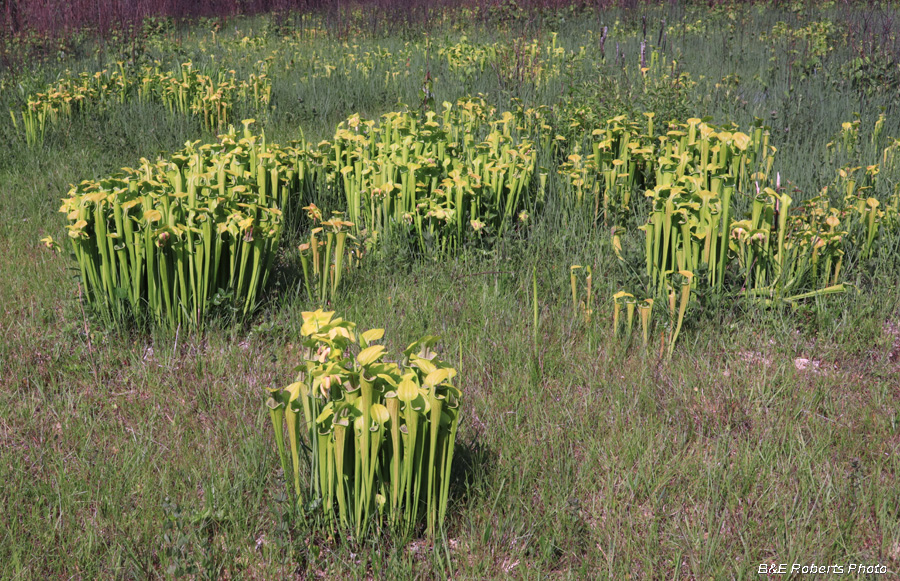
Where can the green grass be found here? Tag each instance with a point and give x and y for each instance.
(591, 462)
(126, 455)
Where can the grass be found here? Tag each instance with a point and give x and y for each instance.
(770, 436)
(727, 457)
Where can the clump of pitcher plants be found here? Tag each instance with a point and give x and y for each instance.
(376, 436)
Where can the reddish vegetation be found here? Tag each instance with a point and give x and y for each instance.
(32, 29)
(58, 16)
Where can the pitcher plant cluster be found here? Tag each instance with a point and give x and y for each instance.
(210, 94)
(679, 297)
(326, 255)
(717, 219)
(441, 179)
(370, 441)
(167, 241)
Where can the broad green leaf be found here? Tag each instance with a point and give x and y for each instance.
(313, 321)
(326, 413)
(371, 335)
(439, 376)
(424, 364)
(407, 390)
(294, 389)
(379, 413)
(370, 354)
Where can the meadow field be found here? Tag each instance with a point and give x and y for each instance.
(645, 256)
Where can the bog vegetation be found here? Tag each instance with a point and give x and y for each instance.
(659, 243)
